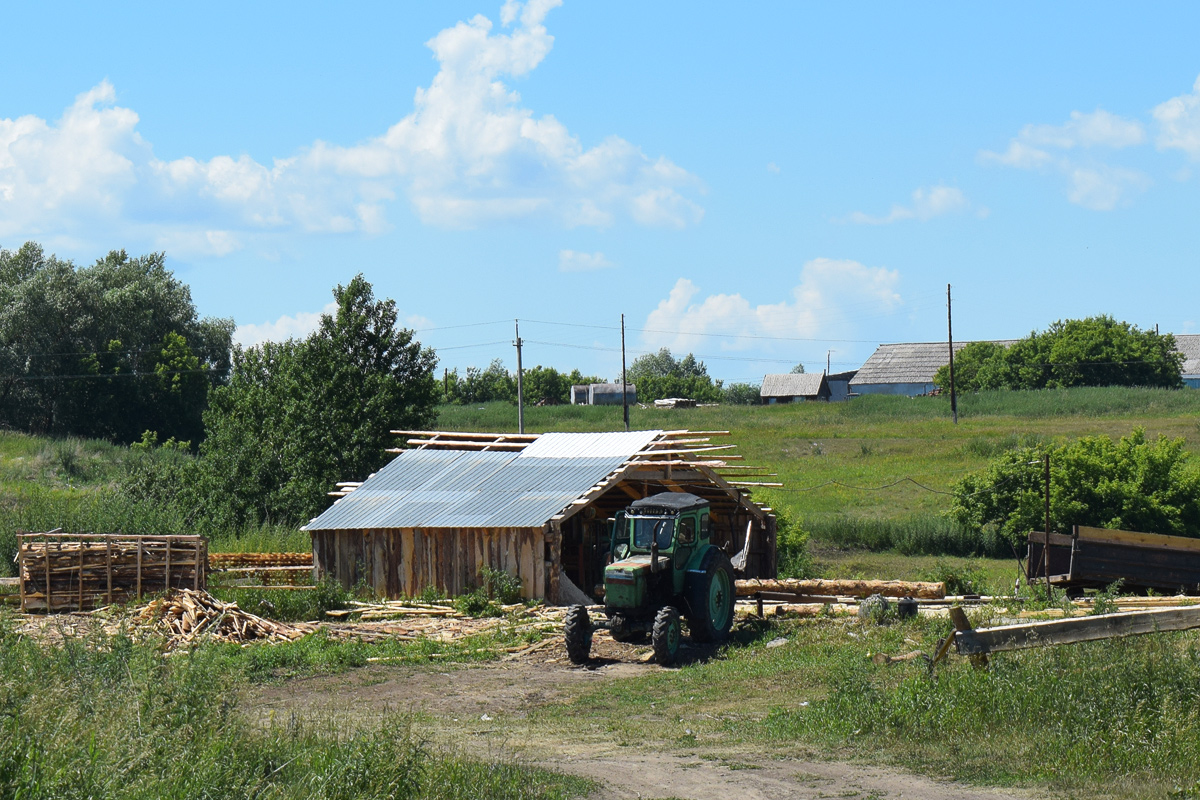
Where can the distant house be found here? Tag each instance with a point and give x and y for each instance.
(906, 368)
(839, 384)
(601, 394)
(1189, 345)
(793, 388)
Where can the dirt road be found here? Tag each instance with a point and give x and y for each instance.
(483, 709)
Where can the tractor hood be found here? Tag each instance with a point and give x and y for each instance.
(627, 582)
(629, 567)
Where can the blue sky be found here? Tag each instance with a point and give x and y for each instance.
(759, 184)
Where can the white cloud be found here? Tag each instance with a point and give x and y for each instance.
(1101, 187)
(927, 204)
(827, 291)
(1179, 122)
(296, 326)
(773, 168)
(572, 261)
(468, 154)
(1097, 129)
(1091, 183)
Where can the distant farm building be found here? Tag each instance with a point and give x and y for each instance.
(839, 384)
(1189, 345)
(794, 388)
(908, 369)
(602, 394)
(905, 369)
(535, 506)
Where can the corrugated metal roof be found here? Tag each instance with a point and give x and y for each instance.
(1189, 345)
(483, 489)
(798, 385)
(910, 362)
(589, 445)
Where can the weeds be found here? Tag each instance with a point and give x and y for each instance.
(115, 719)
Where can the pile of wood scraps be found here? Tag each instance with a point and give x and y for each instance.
(188, 617)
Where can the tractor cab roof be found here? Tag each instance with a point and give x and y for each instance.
(666, 503)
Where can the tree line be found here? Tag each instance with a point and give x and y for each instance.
(104, 351)
(1096, 351)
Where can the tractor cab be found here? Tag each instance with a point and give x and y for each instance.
(654, 541)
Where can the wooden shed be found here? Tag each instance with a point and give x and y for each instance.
(535, 505)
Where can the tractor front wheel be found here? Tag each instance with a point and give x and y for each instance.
(578, 633)
(665, 636)
(710, 598)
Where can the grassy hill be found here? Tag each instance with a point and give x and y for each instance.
(869, 474)
(877, 440)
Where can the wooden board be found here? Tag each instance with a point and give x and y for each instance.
(1070, 631)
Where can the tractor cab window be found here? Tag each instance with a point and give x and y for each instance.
(687, 531)
(706, 525)
(651, 529)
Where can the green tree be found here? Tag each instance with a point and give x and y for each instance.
(797, 370)
(658, 375)
(742, 394)
(545, 385)
(1097, 351)
(1132, 484)
(298, 416)
(105, 351)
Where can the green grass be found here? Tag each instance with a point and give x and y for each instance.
(1117, 718)
(106, 717)
(877, 460)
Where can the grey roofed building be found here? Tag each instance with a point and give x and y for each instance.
(908, 368)
(533, 505)
(791, 388)
(1189, 345)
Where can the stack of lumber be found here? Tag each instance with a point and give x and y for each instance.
(258, 560)
(842, 588)
(187, 617)
(75, 572)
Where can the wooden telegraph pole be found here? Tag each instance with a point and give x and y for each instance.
(624, 382)
(950, 338)
(520, 381)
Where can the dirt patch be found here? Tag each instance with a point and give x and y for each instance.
(471, 707)
(749, 776)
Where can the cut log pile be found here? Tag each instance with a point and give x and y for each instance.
(842, 588)
(76, 572)
(187, 617)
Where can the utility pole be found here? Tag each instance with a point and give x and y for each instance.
(1046, 547)
(828, 354)
(520, 381)
(624, 383)
(950, 338)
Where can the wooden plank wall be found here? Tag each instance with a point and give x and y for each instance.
(399, 562)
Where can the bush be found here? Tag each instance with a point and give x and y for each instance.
(1132, 484)
(1097, 351)
(742, 394)
(791, 547)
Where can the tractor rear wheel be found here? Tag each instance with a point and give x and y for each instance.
(710, 598)
(665, 636)
(578, 633)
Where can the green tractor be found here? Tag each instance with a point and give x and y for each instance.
(663, 563)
